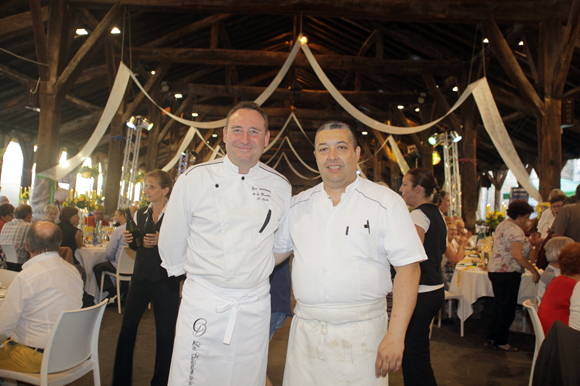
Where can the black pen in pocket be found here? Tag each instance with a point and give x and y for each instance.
(268, 216)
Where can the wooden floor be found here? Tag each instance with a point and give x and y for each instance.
(456, 361)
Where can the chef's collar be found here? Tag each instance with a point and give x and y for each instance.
(352, 186)
(234, 169)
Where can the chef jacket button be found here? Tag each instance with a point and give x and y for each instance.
(243, 178)
(217, 185)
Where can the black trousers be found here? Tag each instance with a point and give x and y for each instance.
(506, 286)
(98, 269)
(417, 370)
(164, 296)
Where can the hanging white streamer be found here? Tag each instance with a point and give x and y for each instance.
(400, 159)
(359, 115)
(300, 159)
(215, 153)
(499, 135)
(294, 170)
(117, 93)
(272, 143)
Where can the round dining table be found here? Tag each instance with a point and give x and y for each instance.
(88, 257)
(473, 283)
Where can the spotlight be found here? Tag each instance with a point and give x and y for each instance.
(454, 136)
(131, 122)
(152, 72)
(214, 135)
(400, 107)
(521, 43)
(178, 96)
(436, 157)
(485, 40)
(82, 31)
(432, 140)
(115, 31)
(455, 89)
(194, 114)
(364, 133)
(303, 40)
(417, 110)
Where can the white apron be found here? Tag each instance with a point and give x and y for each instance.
(335, 344)
(221, 336)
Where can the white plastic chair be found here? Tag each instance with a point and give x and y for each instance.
(6, 277)
(10, 253)
(71, 350)
(538, 330)
(124, 271)
(449, 296)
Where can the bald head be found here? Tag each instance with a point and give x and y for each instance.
(42, 237)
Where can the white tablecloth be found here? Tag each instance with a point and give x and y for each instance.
(89, 257)
(474, 284)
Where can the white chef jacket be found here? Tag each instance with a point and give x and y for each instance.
(342, 254)
(46, 286)
(220, 224)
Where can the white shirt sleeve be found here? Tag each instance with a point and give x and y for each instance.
(401, 242)
(174, 233)
(420, 219)
(282, 240)
(545, 222)
(574, 321)
(16, 300)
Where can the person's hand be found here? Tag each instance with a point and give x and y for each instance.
(389, 356)
(127, 237)
(151, 239)
(536, 276)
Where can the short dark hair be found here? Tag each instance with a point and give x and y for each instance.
(163, 179)
(6, 209)
(248, 105)
(557, 197)
(424, 178)
(335, 125)
(518, 208)
(570, 200)
(569, 259)
(22, 211)
(67, 212)
(43, 236)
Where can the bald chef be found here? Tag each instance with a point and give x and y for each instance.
(219, 228)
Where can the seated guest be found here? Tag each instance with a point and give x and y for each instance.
(556, 303)
(97, 216)
(547, 218)
(4, 200)
(553, 248)
(46, 286)
(50, 213)
(114, 249)
(72, 236)
(13, 233)
(454, 253)
(6, 214)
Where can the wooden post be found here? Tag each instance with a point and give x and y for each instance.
(115, 164)
(152, 145)
(551, 149)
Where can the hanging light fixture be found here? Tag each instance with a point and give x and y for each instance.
(455, 137)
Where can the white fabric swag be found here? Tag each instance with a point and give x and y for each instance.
(480, 90)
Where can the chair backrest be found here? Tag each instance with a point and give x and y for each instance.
(10, 253)
(538, 330)
(6, 277)
(66, 254)
(126, 261)
(73, 339)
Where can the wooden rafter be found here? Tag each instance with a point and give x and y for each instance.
(20, 22)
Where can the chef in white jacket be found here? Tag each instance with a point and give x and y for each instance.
(219, 229)
(346, 233)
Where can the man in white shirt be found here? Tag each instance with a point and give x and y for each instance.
(553, 248)
(114, 249)
(346, 233)
(219, 228)
(46, 286)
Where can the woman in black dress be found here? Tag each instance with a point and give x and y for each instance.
(149, 284)
(417, 188)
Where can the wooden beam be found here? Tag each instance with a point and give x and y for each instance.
(508, 99)
(39, 38)
(79, 123)
(152, 82)
(185, 31)
(187, 102)
(341, 115)
(361, 52)
(451, 11)
(56, 38)
(20, 22)
(224, 57)
(442, 103)
(82, 104)
(89, 47)
(91, 74)
(321, 96)
(510, 65)
(566, 50)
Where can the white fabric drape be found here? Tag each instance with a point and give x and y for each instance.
(480, 90)
(117, 93)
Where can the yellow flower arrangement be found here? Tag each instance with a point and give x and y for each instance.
(493, 219)
(85, 201)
